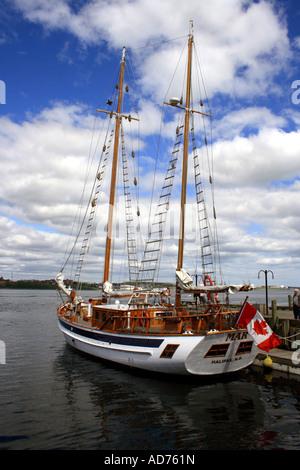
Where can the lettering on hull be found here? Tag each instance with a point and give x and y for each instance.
(236, 335)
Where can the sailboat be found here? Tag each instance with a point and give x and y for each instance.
(140, 325)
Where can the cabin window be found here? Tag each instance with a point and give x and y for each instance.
(168, 314)
(169, 351)
(217, 350)
(244, 347)
(100, 314)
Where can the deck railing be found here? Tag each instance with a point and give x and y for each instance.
(138, 322)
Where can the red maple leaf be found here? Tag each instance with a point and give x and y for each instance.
(260, 327)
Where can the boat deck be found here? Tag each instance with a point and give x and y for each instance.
(135, 322)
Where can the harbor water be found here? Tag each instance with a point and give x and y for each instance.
(55, 398)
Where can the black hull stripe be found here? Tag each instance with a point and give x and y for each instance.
(97, 335)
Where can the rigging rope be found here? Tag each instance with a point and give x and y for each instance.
(102, 165)
(158, 43)
(159, 138)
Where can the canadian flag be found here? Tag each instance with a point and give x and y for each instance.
(257, 327)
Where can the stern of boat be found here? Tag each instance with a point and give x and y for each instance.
(221, 352)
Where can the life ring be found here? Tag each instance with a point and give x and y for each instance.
(167, 293)
(146, 318)
(209, 279)
(136, 319)
(63, 310)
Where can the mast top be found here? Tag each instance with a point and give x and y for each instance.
(191, 28)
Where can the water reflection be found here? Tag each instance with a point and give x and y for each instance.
(55, 398)
(133, 411)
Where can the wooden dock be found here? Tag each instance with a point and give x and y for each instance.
(282, 360)
(286, 358)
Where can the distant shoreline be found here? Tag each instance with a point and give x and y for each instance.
(35, 284)
(51, 285)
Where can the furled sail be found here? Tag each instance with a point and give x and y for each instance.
(109, 291)
(185, 282)
(60, 283)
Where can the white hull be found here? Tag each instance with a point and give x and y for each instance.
(191, 356)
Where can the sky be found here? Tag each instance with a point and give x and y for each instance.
(57, 60)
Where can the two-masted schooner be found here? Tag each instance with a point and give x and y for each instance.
(149, 330)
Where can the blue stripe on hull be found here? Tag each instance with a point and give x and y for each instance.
(115, 339)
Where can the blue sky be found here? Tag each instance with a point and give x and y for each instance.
(56, 59)
(40, 67)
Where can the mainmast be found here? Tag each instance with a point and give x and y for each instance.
(184, 164)
(114, 171)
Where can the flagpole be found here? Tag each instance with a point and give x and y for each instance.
(241, 310)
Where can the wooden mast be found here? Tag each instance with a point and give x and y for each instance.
(184, 165)
(114, 172)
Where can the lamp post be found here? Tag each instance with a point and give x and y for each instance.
(266, 271)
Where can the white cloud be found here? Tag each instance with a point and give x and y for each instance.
(29, 253)
(43, 162)
(246, 42)
(247, 120)
(243, 45)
